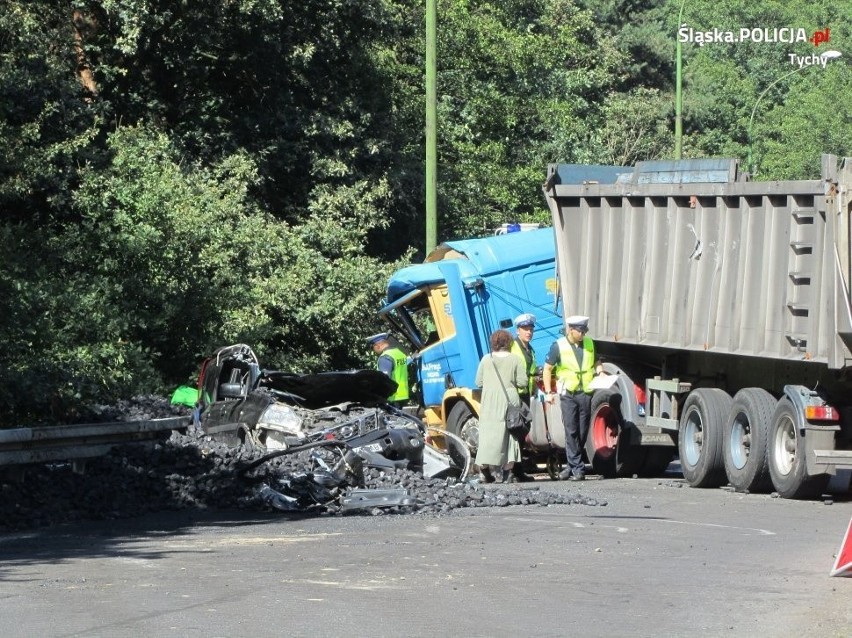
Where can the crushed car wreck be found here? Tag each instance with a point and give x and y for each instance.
(340, 420)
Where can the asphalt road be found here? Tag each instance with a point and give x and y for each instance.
(659, 559)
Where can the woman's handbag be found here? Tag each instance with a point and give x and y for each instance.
(518, 421)
(518, 417)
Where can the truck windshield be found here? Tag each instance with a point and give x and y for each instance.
(425, 324)
(412, 317)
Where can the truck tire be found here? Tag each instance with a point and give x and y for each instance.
(746, 438)
(465, 424)
(700, 436)
(787, 465)
(607, 447)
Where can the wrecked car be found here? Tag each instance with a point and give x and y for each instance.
(241, 403)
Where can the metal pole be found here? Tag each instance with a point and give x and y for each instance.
(431, 128)
(829, 55)
(753, 110)
(678, 91)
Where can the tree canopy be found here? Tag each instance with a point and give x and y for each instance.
(175, 175)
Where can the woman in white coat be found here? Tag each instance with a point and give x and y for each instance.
(497, 448)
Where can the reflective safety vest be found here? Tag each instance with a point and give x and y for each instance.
(569, 373)
(400, 373)
(529, 364)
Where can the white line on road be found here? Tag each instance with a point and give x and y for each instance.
(623, 530)
(762, 532)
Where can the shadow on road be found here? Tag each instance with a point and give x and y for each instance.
(117, 538)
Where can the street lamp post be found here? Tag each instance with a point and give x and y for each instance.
(827, 55)
(431, 126)
(678, 92)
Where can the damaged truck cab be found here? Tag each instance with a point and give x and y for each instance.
(448, 306)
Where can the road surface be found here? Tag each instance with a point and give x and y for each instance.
(659, 559)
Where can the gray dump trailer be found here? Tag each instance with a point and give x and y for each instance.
(723, 307)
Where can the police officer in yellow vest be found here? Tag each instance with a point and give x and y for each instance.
(394, 363)
(522, 347)
(569, 368)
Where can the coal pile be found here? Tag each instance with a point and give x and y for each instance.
(139, 408)
(191, 471)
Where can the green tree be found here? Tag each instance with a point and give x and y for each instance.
(516, 83)
(297, 86)
(815, 118)
(175, 176)
(46, 124)
(726, 82)
(632, 127)
(641, 33)
(194, 262)
(236, 206)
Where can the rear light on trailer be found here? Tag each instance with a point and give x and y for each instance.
(821, 413)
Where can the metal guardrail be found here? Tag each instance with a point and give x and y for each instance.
(21, 446)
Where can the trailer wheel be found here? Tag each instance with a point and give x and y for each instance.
(607, 446)
(465, 424)
(746, 438)
(700, 437)
(787, 465)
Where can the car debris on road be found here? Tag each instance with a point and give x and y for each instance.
(392, 468)
(341, 419)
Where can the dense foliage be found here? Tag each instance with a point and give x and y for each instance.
(176, 175)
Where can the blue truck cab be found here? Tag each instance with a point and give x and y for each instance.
(447, 307)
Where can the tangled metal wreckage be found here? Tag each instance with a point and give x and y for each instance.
(339, 422)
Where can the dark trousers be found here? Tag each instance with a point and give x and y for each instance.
(576, 412)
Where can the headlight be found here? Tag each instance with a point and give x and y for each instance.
(281, 418)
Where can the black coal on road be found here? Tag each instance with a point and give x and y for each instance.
(193, 472)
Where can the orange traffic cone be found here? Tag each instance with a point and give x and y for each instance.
(843, 563)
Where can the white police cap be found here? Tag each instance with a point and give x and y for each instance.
(525, 319)
(381, 336)
(578, 321)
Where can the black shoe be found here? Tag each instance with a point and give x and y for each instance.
(485, 474)
(520, 476)
(565, 474)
